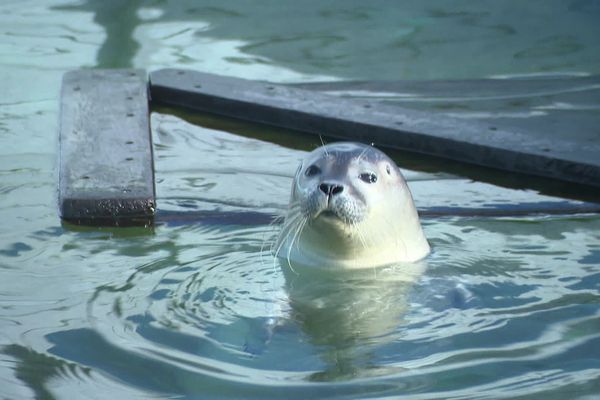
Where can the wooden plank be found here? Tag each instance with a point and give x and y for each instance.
(556, 107)
(106, 174)
(473, 142)
(254, 218)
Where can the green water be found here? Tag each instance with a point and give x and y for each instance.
(507, 307)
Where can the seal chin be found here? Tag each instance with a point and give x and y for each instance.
(330, 217)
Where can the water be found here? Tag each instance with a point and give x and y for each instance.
(506, 308)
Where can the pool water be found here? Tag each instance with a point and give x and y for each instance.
(197, 307)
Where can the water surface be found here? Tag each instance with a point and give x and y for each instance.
(506, 308)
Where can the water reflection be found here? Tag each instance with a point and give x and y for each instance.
(119, 20)
(342, 40)
(349, 314)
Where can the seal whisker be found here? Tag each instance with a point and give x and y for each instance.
(299, 231)
(369, 240)
(291, 223)
(360, 235)
(271, 227)
(283, 234)
(323, 144)
(290, 226)
(362, 153)
(295, 238)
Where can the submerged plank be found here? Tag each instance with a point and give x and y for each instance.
(254, 218)
(106, 174)
(475, 142)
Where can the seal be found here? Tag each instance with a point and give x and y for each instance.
(350, 207)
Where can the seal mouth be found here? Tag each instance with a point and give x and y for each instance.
(332, 216)
(340, 210)
(329, 214)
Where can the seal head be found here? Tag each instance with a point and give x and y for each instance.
(350, 207)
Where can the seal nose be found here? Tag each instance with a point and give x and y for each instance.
(331, 189)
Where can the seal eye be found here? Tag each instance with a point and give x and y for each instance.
(312, 170)
(388, 169)
(368, 177)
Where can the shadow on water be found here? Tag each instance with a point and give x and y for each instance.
(179, 376)
(87, 347)
(35, 369)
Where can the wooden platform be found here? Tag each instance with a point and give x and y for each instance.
(475, 142)
(106, 158)
(106, 174)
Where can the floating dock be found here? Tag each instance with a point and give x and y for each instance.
(106, 174)
(107, 167)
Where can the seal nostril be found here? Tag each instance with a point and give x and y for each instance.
(330, 189)
(337, 189)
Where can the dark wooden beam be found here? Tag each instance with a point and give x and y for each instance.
(458, 139)
(106, 174)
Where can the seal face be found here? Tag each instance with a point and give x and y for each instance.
(350, 207)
